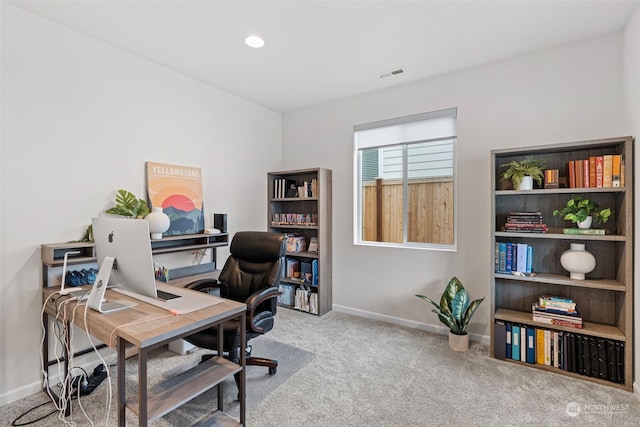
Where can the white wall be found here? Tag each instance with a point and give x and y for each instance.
(631, 85)
(79, 119)
(568, 93)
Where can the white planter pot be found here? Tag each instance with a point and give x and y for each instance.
(458, 342)
(577, 261)
(586, 223)
(526, 184)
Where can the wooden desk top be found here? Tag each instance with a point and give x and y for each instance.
(143, 325)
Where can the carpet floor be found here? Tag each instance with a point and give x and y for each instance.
(344, 370)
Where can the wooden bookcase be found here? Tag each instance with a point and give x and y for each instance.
(308, 216)
(605, 298)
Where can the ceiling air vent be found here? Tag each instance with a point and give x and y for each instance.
(391, 73)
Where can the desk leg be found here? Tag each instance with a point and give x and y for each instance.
(243, 364)
(220, 351)
(142, 387)
(122, 398)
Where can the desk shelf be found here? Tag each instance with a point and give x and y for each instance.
(178, 390)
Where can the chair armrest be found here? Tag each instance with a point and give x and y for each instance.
(202, 284)
(255, 300)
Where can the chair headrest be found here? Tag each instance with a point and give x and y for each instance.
(258, 245)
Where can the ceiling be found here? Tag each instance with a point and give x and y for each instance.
(319, 51)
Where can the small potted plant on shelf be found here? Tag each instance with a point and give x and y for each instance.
(583, 212)
(127, 204)
(522, 173)
(455, 311)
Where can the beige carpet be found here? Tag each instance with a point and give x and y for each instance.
(360, 372)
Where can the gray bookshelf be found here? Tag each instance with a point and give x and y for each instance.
(308, 215)
(605, 298)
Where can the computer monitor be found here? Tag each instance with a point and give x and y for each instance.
(128, 241)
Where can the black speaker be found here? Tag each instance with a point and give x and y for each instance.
(220, 222)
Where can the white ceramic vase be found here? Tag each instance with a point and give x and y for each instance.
(526, 184)
(458, 342)
(159, 222)
(577, 261)
(586, 223)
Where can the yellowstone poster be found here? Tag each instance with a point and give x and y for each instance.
(178, 190)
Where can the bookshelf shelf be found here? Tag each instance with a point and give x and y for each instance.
(315, 209)
(605, 298)
(563, 280)
(594, 329)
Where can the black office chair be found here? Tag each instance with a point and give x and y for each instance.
(250, 275)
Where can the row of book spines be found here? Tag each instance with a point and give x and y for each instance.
(596, 171)
(287, 188)
(582, 354)
(513, 257)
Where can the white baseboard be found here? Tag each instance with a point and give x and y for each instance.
(20, 393)
(436, 329)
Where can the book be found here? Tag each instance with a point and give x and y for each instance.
(313, 245)
(615, 173)
(523, 342)
(531, 345)
(571, 173)
(555, 358)
(547, 347)
(557, 322)
(521, 254)
(509, 260)
(579, 177)
(584, 231)
(515, 342)
(599, 170)
(500, 345)
(529, 268)
(607, 171)
(314, 273)
(508, 341)
(622, 171)
(592, 171)
(540, 346)
(585, 173)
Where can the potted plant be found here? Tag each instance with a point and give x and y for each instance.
(127, 204)
(455, 311)
(583, 212)
(522, 173)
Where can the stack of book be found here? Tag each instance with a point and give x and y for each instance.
(525, 222)
(553, 310)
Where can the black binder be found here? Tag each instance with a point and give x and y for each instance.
(620, 361)
(571, 357)
(602, 359)
(586, 356)
(500, 340)
(595, 364)
(611, 361)
(579, 355)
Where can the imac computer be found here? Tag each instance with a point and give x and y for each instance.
(125, 260)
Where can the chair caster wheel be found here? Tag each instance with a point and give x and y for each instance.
(272, 371)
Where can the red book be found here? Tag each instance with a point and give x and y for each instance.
(599, 170)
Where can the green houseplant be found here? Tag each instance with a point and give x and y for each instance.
(518, 170)
(578, 210)
(127, 204)
(455, 311)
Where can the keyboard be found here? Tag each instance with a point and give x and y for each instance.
(166, 296)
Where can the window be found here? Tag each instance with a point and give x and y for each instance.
(405, 169)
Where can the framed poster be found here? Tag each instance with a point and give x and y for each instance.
(178, 190)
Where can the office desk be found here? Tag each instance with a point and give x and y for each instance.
(147, 327)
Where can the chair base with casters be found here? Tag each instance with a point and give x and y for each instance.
(251, 275)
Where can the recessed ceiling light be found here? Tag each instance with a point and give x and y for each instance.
(254, 41)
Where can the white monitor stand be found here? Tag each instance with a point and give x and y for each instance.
(96, 298)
